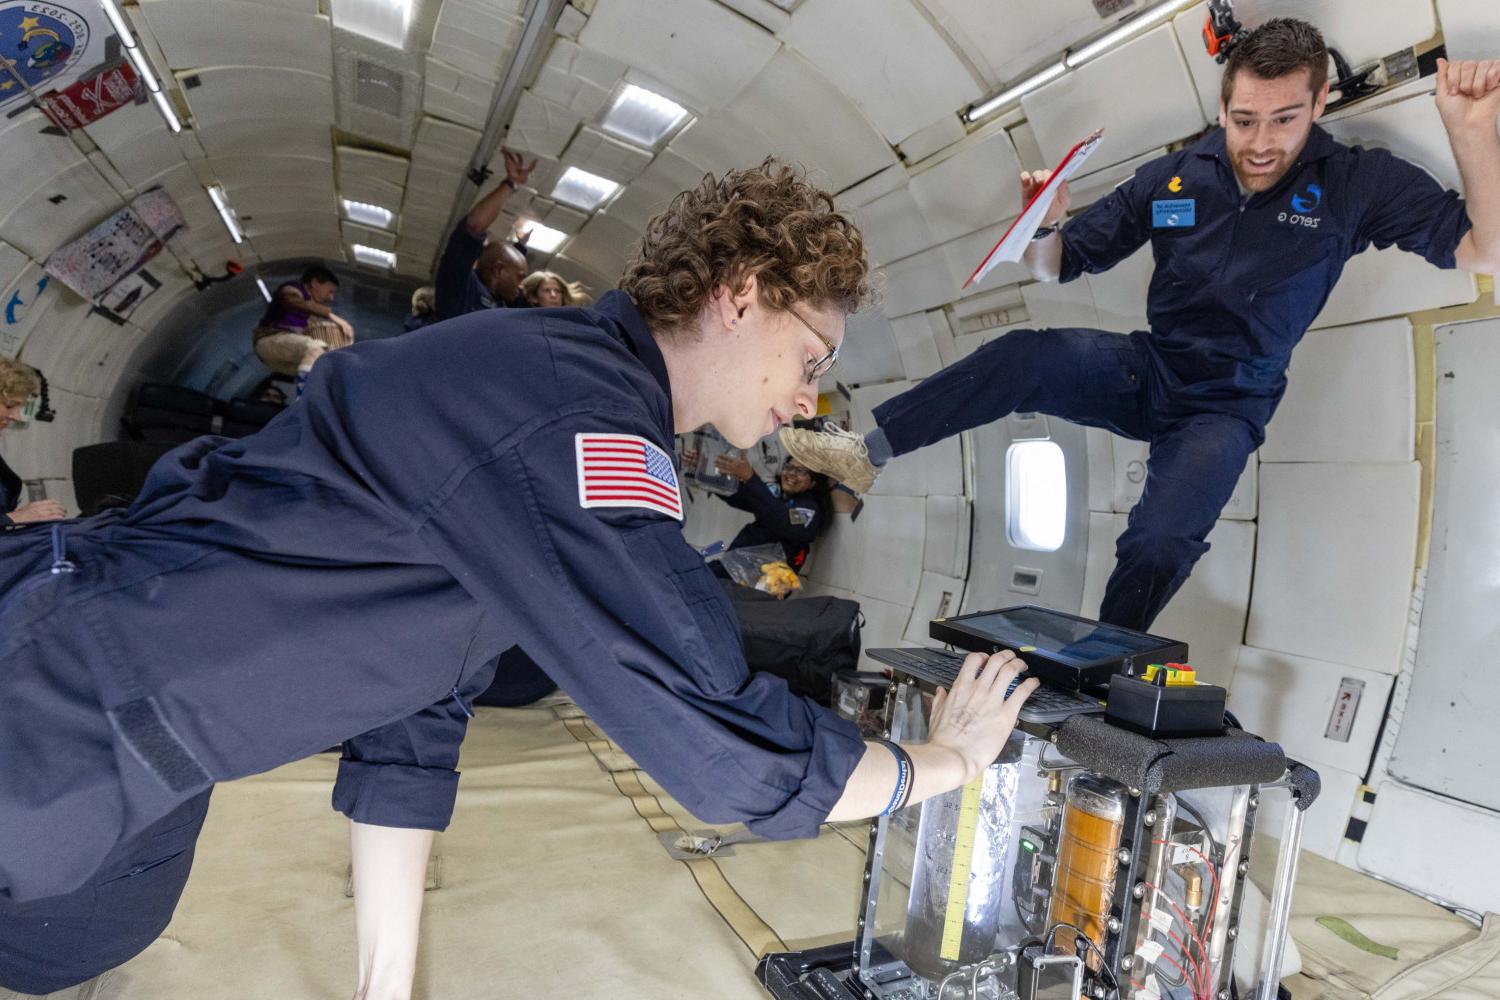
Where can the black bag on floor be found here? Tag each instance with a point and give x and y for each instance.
(804, 640)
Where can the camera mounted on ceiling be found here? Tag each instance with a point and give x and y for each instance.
(232, 269)
(1221, 30)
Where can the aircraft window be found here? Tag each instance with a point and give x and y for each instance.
(1036, 501)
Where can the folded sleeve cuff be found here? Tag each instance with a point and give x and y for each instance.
(400, 795)
(837, 749)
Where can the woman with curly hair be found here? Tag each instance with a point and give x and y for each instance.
(18, 383)
(351, 573)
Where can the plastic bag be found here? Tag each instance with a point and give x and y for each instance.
(762, 567)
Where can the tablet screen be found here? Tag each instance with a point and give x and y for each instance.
(1076, 642)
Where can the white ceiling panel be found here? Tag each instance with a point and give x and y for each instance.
(578, 79)
(380, 166)
(540, 127)
(1392, 282)
(1470, 28)
(1003, 48)
(871, 188)
(976, 185)
(668, 176)
(567, 219)
(263, 224)
(29, 158)
(445, 143)
(887, 57)
(1351, 397)
(572, 270)
(600, 154)
(1107, 93)
(1411, 128)
(869, 353)
(301, 246)
(694, 46)
(35, 224)
(27, 294)
(253, 171)
(371, 191)
(722, 141)
(132, 140)
(603, 244)
(933, 139)
(254, 136)
(828, 134)
(894, 227)
(229, 92)
(273, 198)
(476, 36)
(194, 33)
(455, 95)
(965, 253)
(380, 239)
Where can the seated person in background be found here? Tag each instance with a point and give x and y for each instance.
(300, 316)
(18, 383)
(270, 392)
(548, 290)
(794, 516)
(476, 272)
(423, 309)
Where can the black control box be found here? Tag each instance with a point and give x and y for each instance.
(1160, 709)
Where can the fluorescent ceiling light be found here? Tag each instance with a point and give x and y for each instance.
(641, 117)
(544, 239)
(142, 65)
(582, 189)
(368, 215)
(164, 105)
(1011, 95)
(226, 213)
(261, 284)
(385, 21)
(373, 257)
(1131, 28)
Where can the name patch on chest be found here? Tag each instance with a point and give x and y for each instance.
(1174, 213)
(624, 470)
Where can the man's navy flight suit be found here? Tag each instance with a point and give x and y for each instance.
(350, 573)
(791, 520)
(457, 290)
(1237, 283)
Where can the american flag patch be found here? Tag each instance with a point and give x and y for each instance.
(623, 470)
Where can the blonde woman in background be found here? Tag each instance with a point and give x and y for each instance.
(548, 290)
(18, 383)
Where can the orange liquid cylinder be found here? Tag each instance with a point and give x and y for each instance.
(1084, 881)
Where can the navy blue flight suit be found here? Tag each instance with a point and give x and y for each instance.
(350, 573)
(1237, 283)
(794, 521)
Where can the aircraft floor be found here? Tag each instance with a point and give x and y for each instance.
(554, 881)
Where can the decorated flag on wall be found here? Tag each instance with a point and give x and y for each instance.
(624, 470)
(45, 46)
(117, 247)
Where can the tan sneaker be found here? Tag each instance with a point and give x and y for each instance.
(834, 452)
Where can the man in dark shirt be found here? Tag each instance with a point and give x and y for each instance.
(476, 272)
(1250, 227)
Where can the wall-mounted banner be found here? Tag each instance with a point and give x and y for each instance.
(48, 45)
(117, 247)
(91, 98)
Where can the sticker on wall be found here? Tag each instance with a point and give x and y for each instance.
(117, 247)
(45, 46)
(1345, 708)
(19, 311)
(91, 98)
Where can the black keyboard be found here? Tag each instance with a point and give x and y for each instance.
(1047, 704)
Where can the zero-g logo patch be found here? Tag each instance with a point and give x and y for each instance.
(1303, 203)
(1174, 213)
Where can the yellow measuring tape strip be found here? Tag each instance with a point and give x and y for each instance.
(963, 860)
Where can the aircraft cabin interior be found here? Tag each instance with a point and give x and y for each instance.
(168, 166)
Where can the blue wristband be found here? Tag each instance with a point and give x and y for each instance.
(904, 775)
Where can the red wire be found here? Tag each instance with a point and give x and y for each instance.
(1193, 931)
(1208, 928)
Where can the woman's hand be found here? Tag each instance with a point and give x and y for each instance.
(975, 718)
(39, 510)
(737, 466)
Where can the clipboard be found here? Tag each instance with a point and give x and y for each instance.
(1013, 244)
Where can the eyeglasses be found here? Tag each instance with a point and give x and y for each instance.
(817, 369)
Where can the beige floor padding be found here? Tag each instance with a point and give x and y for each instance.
(556, 883)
